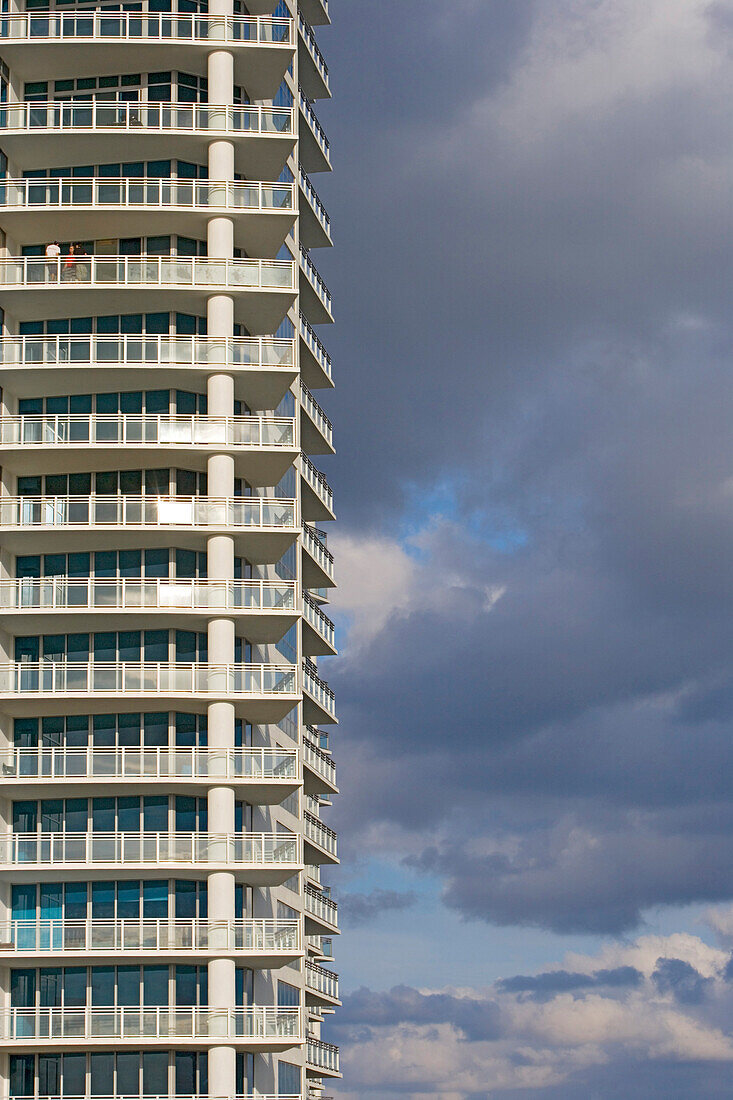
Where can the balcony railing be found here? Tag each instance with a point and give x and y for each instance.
(315, 346)
(321, 981)
(121, 116)
(233, 353)
(187, 272)
(91, 762)
(314, 278)
(63, 194)
(315, 127)
(146, 511)
(144, 430)
(318, 688)
(316, 413)
(166, 1096)
(145, 678)
(317, 550)
(102, 26)
(310, 40)
(261, 1022)
(312, 195)
(133, 849)
(30, 937)
(124, 593)
(320, 622)
(320, 906)
(322, 1055)
(317, 481)
(320, 834)
(319, 761)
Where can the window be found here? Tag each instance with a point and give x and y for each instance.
(288, 1079)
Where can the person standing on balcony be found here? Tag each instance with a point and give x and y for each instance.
(69, 271)
(53, 252)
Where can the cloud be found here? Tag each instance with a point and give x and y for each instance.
(679, 978)
(477, 1019)
(360, 909)
(545, 986)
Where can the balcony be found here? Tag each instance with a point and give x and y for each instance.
(262, 859)
(263, 447)
(319, 633)
(260, 775)
(317, 560)
(265, 693)
(266, 942)
(262, 47)
(315, 152)
(316, 430)
(320, 837)
(38, 134)
(263, 290)
(316, 496)
(41, 209)
(315, 362)
(322, 1057)
(261, 609)
(253, 1028)
(319, 769)
(323, 983)
(263, 527)
(315, 295)
(312, 67)
(319, 703)
(315, 11)
(315, 224)
(263, 368)
(320, 911)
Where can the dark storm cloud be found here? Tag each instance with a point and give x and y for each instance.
(479, 1020)
(627, 1079)
(543, 987)
(359, 909)
(682, 980)
(539, 311)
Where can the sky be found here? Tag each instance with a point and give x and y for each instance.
(534, 483)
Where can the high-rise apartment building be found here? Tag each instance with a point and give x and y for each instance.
(163, 575)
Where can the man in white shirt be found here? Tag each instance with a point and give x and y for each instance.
(53, 251)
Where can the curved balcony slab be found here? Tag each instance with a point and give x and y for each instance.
(259, 775)
(38, 134)
(319, 770)
(262, 290)
(263, 368)
(312, 68)
(69, 209)
(315, 296)
(315, 151)
(319, 633)
(319, 702)
(316, 430)
(262, 47)
(315, 362)
(318, 562)
(262, 943)
(316, 500)
(262, 447)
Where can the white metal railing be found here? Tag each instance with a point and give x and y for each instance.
(316, 413)
(315, 126)
(322, 1055)
(97, 193)
(313, 198)
(320, 834)
(128, 429)
(24, 937)
(146, 511)
(317, 481)
(256, 1022)
(321, 981)
(92, 762)
(314, 278)
(318, 688)
(319, 761)
(61, 593)
(315, 346)
(145, 678)
(121, 116)
(310, 40)
(127, 849)
(234, 353)
(318, 905)
(171, 271)
(136, 27)
(320, 622)
(158, 1096)
(317, 551)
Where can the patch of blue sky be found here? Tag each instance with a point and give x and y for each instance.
(427, 506)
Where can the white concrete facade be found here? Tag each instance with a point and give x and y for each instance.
(164, 930)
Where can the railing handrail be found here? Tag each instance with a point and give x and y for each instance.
(120, 114)
(106, 271)
(145, 191)
(313, 405)
(310, 670)
(143, 678)
(310, 532)
(314, 197)
(155, 349)
(61, 584)
(133, 848)
(326, 757)
(264, 26)
(312, 118)
(315, 276)
(319, 825)
(136, 510)
(310, 38)
(311, 603)
(311, 338)
(56, 762)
